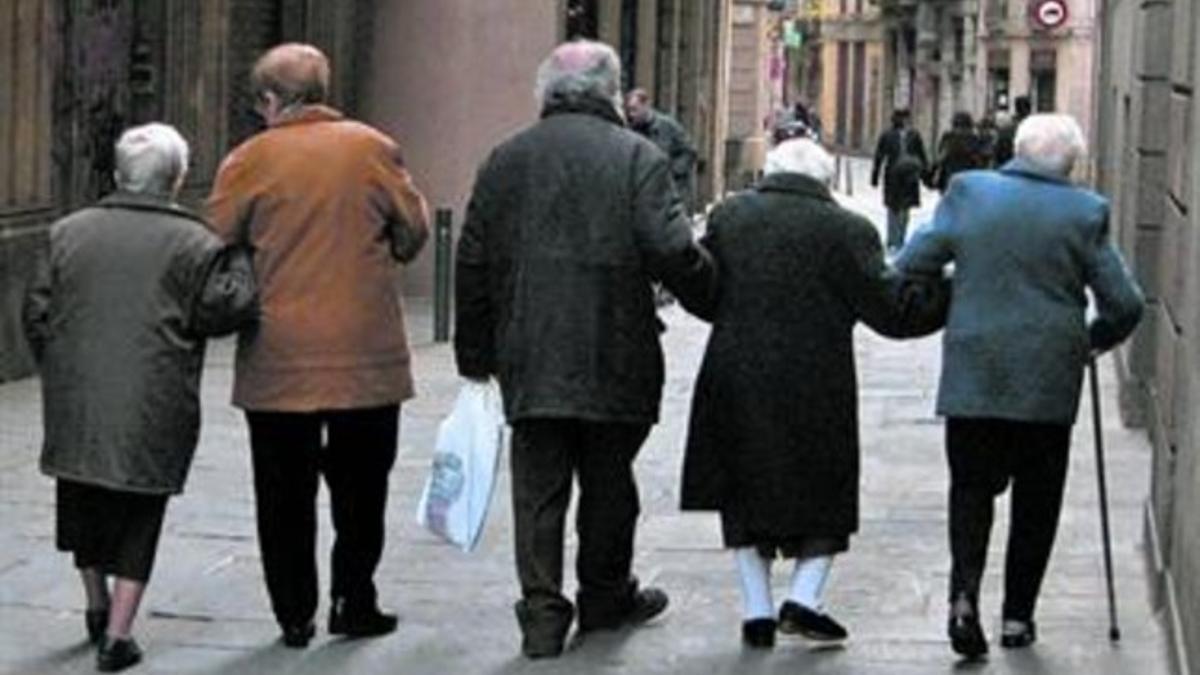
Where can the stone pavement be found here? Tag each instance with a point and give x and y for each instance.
(206, 610)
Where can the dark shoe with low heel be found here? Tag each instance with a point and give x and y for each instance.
(759, 633)
(359, 622)
(966, 635)
(796, 619)
(1017, 637)
(117, 655)
(96, 621)
(297, 636)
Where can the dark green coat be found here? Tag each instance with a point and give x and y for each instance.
(110, 319)
(774, 424)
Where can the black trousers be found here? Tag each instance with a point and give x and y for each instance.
(985, 455)
(547, 454)
(354, 450)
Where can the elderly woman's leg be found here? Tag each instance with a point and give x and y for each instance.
(126, 598)
(95, 587)
(802, 613)
(758, 609)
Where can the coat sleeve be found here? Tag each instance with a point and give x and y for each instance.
(663, 235)
(891, 304)
(474, 313)
(231, 205)
(683, 155)
(706, 307)
(880, 155)
(931, 247)
(1119, 300)
(405, 209)
(35, 309)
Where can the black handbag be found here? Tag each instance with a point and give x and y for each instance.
(227, 301)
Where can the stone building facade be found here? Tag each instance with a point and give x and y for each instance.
(448, 78)
(1146, 125)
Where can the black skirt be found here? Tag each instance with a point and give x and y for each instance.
(737, 532)
(114, 531)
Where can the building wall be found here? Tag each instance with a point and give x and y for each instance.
(1146, 123)
(451, 80)
(75, 73)
(853, 94)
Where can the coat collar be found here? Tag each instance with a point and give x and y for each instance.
(584, 105)
(145, 202)
(306, 114)
(794, 183)
(1021, 167)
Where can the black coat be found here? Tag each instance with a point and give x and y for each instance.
(901, 189)
(959, 150)
(569, 223)
(774, 426)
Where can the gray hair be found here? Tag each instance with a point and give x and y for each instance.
(580, 68)
(803, 156)
(151, 159)
(1050, 142)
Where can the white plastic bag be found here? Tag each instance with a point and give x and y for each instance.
(455, 501)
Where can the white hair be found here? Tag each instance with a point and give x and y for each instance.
(803, 156)
(1051, 142)
(580, 68)
(151, 159)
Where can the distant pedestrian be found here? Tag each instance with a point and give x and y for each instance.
(329, 209)
(669, 135)
(959, 149)
(568, 225)
(1007, 133)
(986, 132)
(114, 323)
(1027, 247)
(773, 439)
(900, 157)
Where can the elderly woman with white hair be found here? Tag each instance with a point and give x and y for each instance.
(773, 439)
(1026, 246)
(117, 320)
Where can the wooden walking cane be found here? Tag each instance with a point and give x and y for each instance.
(1114, 633)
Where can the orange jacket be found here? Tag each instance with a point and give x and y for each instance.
(328, 207)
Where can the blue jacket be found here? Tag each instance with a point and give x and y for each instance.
(1025, 245)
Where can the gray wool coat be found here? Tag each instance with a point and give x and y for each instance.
(1025, 246)
(111, 318)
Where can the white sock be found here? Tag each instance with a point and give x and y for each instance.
(808, 580)
(755, 574)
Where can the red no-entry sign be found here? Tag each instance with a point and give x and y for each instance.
(1048, 14)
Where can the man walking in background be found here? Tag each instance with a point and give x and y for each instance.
(670, 137)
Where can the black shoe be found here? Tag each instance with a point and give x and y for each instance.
(643, 605)
(117, 655)
(966, 635)
(796, 619)
(366, 622)
(297, 636)
(759, 633)
(96, 621)
(544, 634)
(1016, 634)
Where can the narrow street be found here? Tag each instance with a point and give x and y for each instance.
(206, 609)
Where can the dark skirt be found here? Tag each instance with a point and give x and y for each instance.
(737, 533)
(114, 531)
